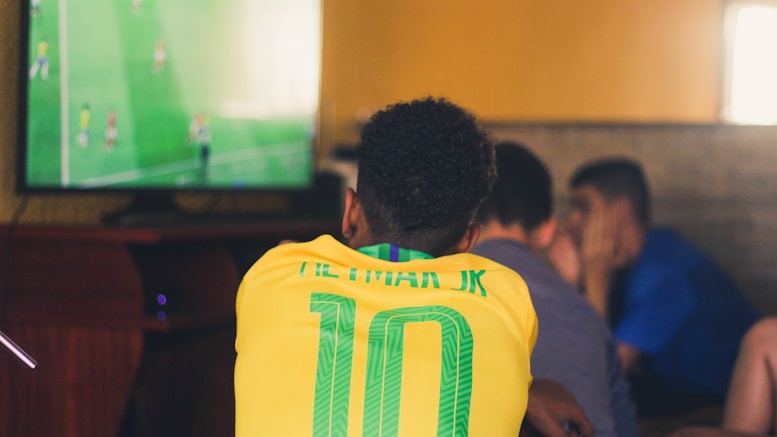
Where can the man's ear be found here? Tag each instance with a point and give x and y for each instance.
(543, 235)
(470, 238)
(351, 213)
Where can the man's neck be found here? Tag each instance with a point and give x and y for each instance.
(496, 230)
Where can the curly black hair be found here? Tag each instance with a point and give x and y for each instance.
(424, 168)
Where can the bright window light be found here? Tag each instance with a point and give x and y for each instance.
(751, 91)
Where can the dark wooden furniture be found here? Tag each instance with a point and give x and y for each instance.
(113, 361)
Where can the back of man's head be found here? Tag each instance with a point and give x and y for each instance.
(424, 168)
(615, 178)
(523, 191)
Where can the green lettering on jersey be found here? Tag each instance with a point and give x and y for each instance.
(410, 277)
(323, 270)
(377, 273)
(384, 370)
(470, 281)
(426, 277)
(384, 367)
(333, 372)
(302, 268)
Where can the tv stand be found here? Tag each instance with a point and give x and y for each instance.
(323, 200)
(146, 208)
(82, 300)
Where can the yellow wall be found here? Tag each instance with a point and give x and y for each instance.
(524, 59)
(629, 60)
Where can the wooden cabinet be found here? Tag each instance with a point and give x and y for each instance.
(133, 328)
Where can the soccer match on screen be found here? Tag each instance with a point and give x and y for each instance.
(172, 93)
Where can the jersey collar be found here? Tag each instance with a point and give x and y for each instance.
(392, 252)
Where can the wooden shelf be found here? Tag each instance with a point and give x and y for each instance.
(80, 300)
(195, 231)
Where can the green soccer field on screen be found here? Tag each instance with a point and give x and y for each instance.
(180, 93)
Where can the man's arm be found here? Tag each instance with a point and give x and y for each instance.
(597, 254)
(554, 412)
(596, 289)
(660, 312)
(590, 265)
(562, 254)
(628, 355)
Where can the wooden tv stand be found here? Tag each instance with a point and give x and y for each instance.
(113, 361)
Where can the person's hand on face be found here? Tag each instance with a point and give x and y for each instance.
(598, 242)
(563, 256)
(593, 222)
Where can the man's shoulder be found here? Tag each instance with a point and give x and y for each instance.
(667, 245)
(475, 261)
(543, 281)
(321, 248)
(666, 255)
(564, 311)
(509, 253)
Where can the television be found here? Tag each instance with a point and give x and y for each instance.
(157, 97)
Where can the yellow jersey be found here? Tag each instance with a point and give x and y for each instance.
(333, 341)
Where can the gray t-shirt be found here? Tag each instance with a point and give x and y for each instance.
(574, 345)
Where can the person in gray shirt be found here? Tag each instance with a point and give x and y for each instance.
(574, 346)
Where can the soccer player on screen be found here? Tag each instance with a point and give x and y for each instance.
(200, 136)
(136, 7)
(110, 131)
(41, 62)
(35, 8)
(160, 56)
(401, 329)
(83, 125)
(194, 129)
(203, 139)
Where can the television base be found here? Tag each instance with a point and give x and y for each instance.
(145, 209)
(322, 200)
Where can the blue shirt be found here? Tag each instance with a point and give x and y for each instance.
(682, 312)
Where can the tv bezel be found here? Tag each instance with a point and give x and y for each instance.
(154, 193)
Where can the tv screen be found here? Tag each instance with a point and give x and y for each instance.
(137, 95)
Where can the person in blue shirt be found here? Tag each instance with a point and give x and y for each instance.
(677, 316)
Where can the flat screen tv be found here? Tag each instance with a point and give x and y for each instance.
(165, 96)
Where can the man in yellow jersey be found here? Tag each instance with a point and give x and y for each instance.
(83, 125)
(41, 61)
(401, 332)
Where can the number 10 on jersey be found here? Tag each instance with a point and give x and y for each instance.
(384, 367)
